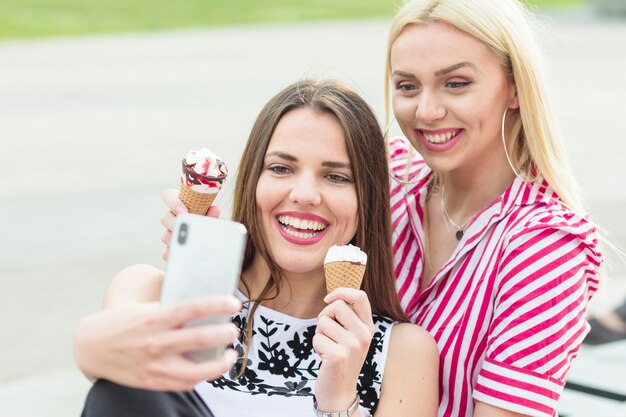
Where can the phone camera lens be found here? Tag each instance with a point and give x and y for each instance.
(182, 234)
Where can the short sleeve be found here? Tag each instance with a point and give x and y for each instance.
(406, 164)
(548, 272)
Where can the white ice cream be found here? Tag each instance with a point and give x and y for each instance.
(345, 253)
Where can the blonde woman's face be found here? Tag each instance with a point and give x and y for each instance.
(449, 93)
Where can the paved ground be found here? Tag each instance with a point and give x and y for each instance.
(92, 129)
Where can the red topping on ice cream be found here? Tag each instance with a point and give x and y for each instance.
(203, 171)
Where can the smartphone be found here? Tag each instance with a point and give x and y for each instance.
(205, 258)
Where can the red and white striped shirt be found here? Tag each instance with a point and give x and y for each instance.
(508, 309)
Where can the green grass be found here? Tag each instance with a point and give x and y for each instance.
(551, 3)
(538, 4)
(36, 18)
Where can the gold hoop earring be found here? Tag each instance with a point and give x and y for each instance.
(506, 152)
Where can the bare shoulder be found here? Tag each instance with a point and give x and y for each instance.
(411, 380)
(408, 338)
(135, 283)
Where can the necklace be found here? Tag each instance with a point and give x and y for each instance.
(460, 229)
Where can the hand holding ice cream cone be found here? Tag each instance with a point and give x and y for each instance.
(202, 178)
(346, 317)
(344, 266)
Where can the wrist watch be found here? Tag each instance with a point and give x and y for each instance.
(343, 413)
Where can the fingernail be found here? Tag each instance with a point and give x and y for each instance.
(180, 209)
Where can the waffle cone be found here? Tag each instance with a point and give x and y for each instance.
(196, 203)
(344, 275)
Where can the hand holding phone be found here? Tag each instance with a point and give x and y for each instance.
(205, 258)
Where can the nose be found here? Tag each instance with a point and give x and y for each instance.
(305, 190)
(430, 107)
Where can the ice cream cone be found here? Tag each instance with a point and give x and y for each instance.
(343, 274)
(203, 174)
(196, 202)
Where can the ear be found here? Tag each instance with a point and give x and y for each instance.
(514, 103)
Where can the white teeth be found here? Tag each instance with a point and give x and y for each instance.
(313, 225)
(441, 138)
(298, 234)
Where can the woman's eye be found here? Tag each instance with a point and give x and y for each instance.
(457, 84)
(406, 87)
(339, 179)
(278, 169)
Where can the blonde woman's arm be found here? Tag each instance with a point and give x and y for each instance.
(175, 207)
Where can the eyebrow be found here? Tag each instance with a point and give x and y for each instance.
(333, 164)
(438, 72)
(291, 158)
(404, 74)
(454, 67)
(282, 155)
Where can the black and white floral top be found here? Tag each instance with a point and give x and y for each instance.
(282, 366)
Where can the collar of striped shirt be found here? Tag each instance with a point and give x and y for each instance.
(520, 193)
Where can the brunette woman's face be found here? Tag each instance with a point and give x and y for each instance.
(306, 196)
(449, 96)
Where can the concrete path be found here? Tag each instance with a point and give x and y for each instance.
(92, 129)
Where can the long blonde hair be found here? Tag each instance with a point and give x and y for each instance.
(535, 144)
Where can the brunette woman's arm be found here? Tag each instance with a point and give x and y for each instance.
(134, 341)
(411, 380)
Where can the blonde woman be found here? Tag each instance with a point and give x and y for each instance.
(494, 254)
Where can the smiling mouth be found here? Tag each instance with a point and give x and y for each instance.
(303, 229)
(441, 138)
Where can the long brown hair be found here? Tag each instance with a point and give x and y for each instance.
(366, 150)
